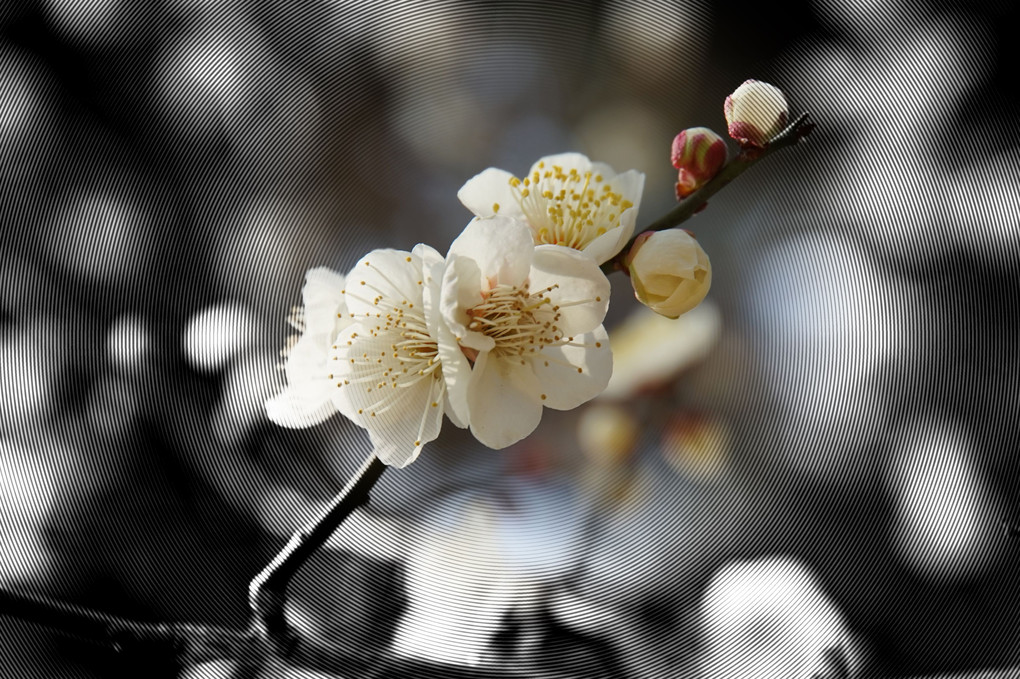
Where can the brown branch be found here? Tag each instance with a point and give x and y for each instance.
(691, 205)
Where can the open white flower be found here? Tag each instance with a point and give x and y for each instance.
(566, 200)
(384, 366)
(527, 323)
(307, 399)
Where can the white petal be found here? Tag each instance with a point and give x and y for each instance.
(608, 173)
(456, 369)
(302, 405)
(501, 247)
(579, 161)
(557, 370)
(488, 189)
(456, 409)
(505, 401)
(399, 419)
(462, 290)
(630, 184)
(605, 247)
(306, 360)
(322, 296)
(397, 447)
(392, 273)
(457, 376)
(581, 292)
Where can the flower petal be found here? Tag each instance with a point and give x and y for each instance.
(488, 189)
(322, 296)
(576, 372)
(400, 418)
(302, 404)
(455, 366)
(488, 252)
(505, 401)
(501, 247)
(608, 245)
(397, 447)
(568, 160)
(394, 274)
(630, 186)
(581, 289)
(461, 290)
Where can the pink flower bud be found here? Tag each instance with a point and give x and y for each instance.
(755, 113)
(670, 272)
(698, 153)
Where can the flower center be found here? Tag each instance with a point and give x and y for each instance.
(396, 349)
(416, 348)
(520, 322)
(568, 208)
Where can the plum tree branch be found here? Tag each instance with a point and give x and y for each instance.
(267, 593)
(744, 160)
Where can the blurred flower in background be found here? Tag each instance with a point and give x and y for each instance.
(827, 322)
(945, 525)
(770, 618)
(26, 497)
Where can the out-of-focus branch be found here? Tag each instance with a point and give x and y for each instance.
(267, 593)
(194, 643)
(189, 642)
(794, 132)
(1004, 673)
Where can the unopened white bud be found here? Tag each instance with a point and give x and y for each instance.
(670, 272)
(755, 113)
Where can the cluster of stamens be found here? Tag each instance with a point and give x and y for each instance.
(519, 321)
(568, 208)
(412, 354)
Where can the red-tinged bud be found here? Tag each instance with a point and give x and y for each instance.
(755, 113)
(699, 154)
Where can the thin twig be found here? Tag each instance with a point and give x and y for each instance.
(267, 593)
(687, 208)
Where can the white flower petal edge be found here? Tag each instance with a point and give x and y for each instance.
(488, 193)
(603, 248)
(454, 363)
(385, 366)
(306, 400)
(566, 200)
(532, 334)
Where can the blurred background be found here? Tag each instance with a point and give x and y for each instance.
(806, 477)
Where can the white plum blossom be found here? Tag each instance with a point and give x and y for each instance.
(307, 399)
(526, 322)
(384, 366)
(566, 200)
